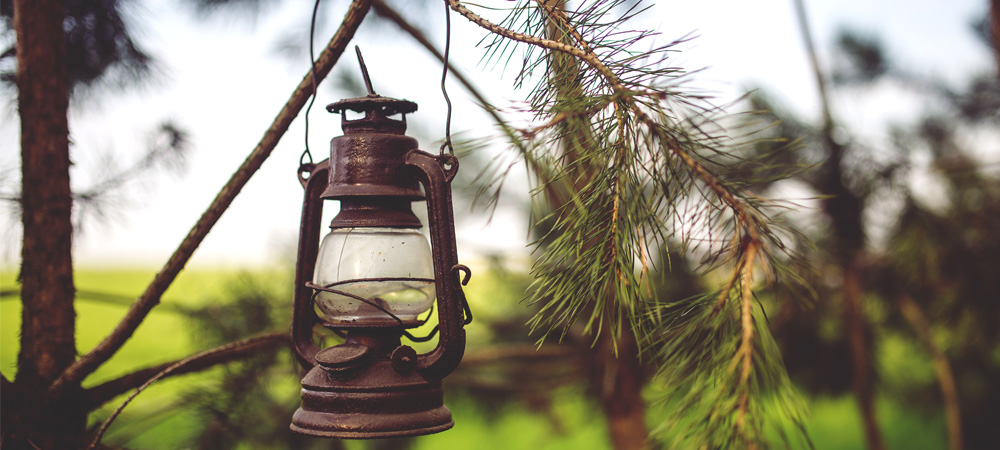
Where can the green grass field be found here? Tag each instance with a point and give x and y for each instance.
(153, 421)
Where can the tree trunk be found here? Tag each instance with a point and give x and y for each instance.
(619, 382)
(47, 291)
(861, 357)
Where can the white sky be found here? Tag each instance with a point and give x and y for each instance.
(224, 82)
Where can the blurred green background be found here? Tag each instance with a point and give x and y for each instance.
(171, 414)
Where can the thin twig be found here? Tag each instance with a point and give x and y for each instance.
(151, 297)
(193, 360)
(98, 395)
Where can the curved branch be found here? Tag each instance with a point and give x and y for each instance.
(187, 365)
(96, 396)
(151, 297)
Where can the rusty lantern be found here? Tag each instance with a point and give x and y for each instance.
(372, 278)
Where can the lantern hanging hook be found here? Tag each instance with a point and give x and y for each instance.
(306, 157)
(364, 73)
(446, 147)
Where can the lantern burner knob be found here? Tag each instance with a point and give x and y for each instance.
(342, 357)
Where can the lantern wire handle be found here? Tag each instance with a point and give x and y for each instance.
(375, 302)
(306, 156)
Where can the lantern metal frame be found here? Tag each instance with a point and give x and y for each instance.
(372, 386)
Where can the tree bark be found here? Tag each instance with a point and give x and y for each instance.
(48, 317)
(619, 381)
(857, 338)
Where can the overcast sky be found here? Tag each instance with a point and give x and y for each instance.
(224, 81)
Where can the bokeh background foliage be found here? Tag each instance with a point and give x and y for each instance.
(900, 240)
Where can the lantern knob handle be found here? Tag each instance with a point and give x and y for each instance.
(364, 73)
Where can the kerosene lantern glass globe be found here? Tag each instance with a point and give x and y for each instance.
(402, 255)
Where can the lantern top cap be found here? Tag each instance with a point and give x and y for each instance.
(387, 106)
(376, 108)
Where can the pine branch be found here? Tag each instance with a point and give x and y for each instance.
(151, 297)
(634, 164)
(746, 343)
(96, 396)
(621, 93)
(225, 353)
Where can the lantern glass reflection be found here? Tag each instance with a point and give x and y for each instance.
(391, 267)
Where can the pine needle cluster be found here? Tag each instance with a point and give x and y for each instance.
(630, 169)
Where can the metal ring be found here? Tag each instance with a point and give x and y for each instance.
(303, 169)
(449, 160)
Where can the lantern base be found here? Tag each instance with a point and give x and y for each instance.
(370, 403)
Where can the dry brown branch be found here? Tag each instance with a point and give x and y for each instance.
(193, 360)
(98, 395)
(151, 297)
